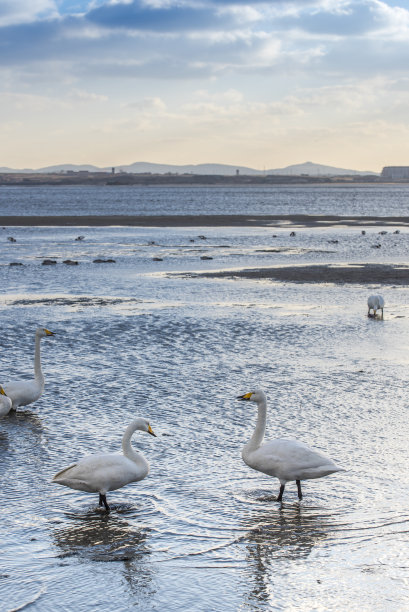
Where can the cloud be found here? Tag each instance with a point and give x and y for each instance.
(148, 105)
(199, 39)
(142, 17)
(26, 11)
(215, 66)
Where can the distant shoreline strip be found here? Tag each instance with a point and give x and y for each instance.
(199, 221)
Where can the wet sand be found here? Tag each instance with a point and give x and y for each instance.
(200, 221)
(362, 274)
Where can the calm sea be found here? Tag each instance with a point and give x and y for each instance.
(364, 199)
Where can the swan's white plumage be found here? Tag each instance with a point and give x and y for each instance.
(285, 459)
(108, 472)
(23, 392)
(288, 460)
(101, 473)
(5, 403)
(375, 302)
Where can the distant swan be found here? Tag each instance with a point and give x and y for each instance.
(109, 471)
(375, 302)
(25, 392)
(5, 403)
(284, 459)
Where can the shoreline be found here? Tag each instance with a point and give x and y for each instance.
(274, 221)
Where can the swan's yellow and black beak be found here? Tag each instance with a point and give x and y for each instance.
(245, 397)
(151, 431)
(48, 332)
(2, 391)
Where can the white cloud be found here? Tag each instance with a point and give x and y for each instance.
(148, 105)
(13, 12)
(393, 21)
(87, 96)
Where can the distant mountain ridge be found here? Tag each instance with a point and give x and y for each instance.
(307, 168)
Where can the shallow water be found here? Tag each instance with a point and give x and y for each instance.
(203, 531)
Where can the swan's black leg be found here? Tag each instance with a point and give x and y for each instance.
(280, 495)
(103, 499)
(299, 489)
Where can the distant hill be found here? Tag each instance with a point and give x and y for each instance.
(72, 167)
(307, 168)
(317, 170)
(224, 169)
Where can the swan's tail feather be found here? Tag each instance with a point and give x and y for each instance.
(61, 472)
(319, 472)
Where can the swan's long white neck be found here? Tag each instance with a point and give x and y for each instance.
(127, 448)
(258, 434)
(37, 362)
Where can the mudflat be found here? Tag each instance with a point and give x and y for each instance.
(382, 274)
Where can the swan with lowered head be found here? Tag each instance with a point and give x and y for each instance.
(375, 302)
(285, 459)
(25, 392)
(5, 403)
(108, 471)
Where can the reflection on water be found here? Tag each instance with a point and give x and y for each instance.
(21, 434)
(290, 533)
(285, 534)
(4, 443)
(106, 538)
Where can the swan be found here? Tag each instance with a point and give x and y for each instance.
(24, 392)
(5, 403)
(108, 471)
(284, 459)
(375, 302)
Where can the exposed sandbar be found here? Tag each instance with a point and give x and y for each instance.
(276, 221)
(362, 274)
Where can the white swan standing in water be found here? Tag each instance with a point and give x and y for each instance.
(285, 459)
(109, 471)
(375, 302)
(5, 403)
(25, 392)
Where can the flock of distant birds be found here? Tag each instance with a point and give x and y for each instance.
(285, 459)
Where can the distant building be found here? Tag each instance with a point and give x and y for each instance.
(113, 171)
(395, 172)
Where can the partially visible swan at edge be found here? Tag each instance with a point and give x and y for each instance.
(25, 392)
(285, 459)
(109, 471)
(5, 403)
(375, 302)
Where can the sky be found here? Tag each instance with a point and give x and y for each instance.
(258, 84)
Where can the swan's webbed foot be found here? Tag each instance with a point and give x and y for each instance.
(299, 489)
(103, 501)
(280, 495)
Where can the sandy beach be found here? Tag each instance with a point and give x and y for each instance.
(292, 221)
